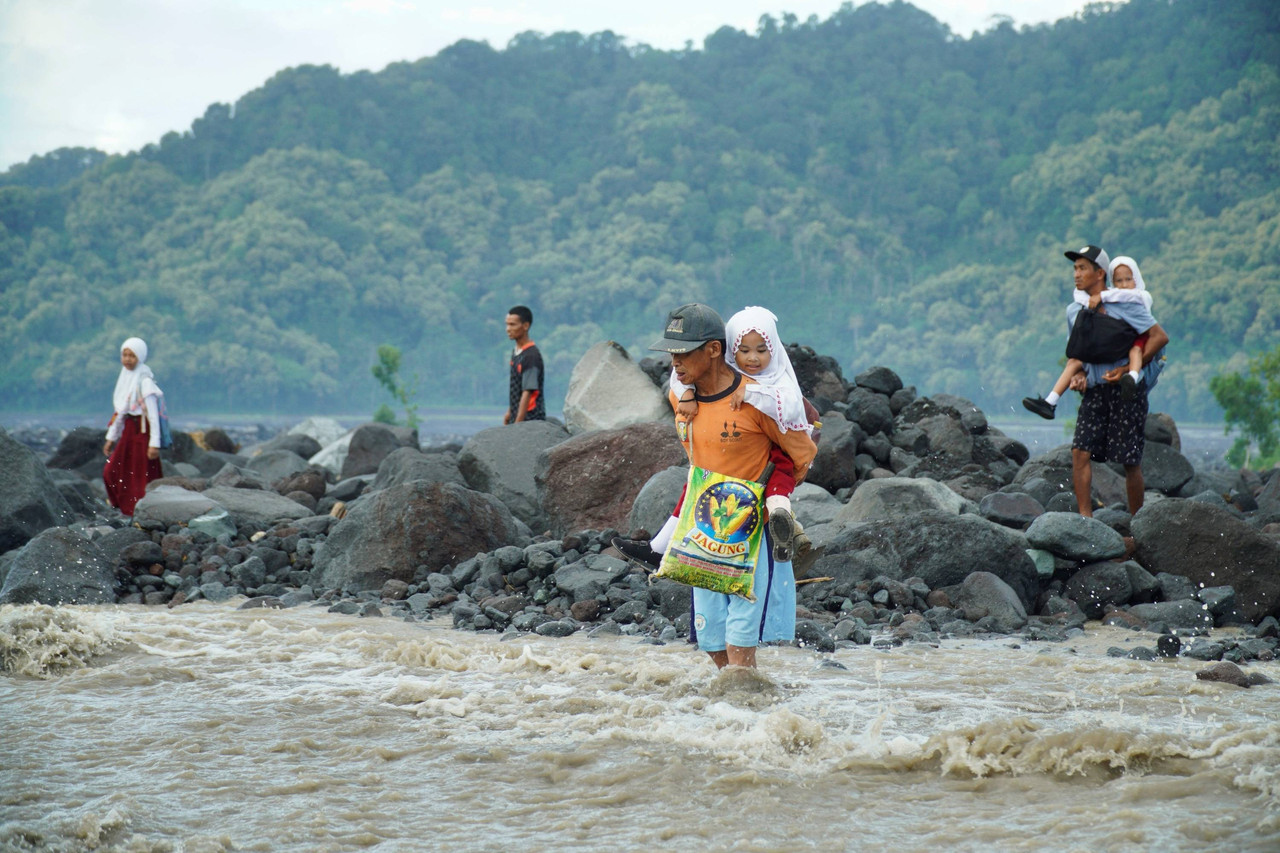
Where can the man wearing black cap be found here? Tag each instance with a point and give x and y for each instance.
(735, 443)
(1109, 428)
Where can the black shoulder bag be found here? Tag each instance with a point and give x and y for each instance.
(1099, 339)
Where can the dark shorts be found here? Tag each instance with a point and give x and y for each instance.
(1109, 428)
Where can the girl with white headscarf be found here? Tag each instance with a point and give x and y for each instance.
(133, 438)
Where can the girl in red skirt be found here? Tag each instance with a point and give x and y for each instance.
(135, 430)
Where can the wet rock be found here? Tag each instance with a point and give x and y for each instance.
(345, 608)
(607, 390)
(814, 635)
(1187, 613)
(1168, 646)
(1175, 587)
(1212, 548)
(1163, 468)
(983, 595)
(591, 480)
(1054, 468)
(1010, 509)
(630, 612)
(1220, 600)
(388, 534)
(1097, 587)
(559, 628)
(29, 500)
(1075, 537)
(894, 497)
(259, 602)
(409, 464)
(939, 548)
(503, 461)
(590, 577)
(80, 446)
(298, 443)
(1226, 673)
(311, 481)
(77, 492)
(59, 566)
(1145, 588)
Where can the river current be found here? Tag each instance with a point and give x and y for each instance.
(207, 728)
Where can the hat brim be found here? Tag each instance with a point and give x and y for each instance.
(675, 347)
(1074, 256)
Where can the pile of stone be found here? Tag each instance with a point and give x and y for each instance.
(928, 523)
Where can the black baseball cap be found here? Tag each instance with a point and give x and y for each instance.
(1093, 254)
(689, 327)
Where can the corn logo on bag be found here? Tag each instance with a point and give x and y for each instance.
(717, 541)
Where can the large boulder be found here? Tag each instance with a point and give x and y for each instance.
(59, 566)
(410, 528)
(29, 500)
(835, 466)
(1075, 537)
(408, 465)
(591, 480)
(940, 548)
(370, 444)
(1097, 587)
(657, 499)
(294, 442)
(1011, 509)
(324, 431)
(334, 454)
(608, 390)
(870, 410)
(1055, 467)
(81, 445)
(894, 497)
(169, 505)
(503, 462)
(1163, 468)
(256, 508)
(1213, 548)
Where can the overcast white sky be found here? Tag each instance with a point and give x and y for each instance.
(117, 74)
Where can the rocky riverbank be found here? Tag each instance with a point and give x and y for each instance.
(928, 523)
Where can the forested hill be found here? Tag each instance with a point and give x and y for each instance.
(896, 194)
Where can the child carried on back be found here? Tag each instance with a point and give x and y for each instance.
(1126, 286)
(755, 350)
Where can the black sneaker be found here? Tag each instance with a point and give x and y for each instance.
(1039, 406)
(1128, 387)
(637, 551)
(782, 527)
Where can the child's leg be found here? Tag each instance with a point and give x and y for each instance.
(1074, 366)
(1135, 362)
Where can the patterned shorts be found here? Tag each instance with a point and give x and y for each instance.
(1111, 429)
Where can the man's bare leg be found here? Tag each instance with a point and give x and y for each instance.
(1135, 487)
(1082, 480)
(734, 656)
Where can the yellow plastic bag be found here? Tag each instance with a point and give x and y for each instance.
(716, 543)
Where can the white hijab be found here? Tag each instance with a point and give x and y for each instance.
(777, 390)
(133, 385)
(1126, 261)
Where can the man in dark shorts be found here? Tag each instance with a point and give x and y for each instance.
(525, 400)
(1109, 428)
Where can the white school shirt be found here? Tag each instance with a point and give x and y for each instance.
(136, 407)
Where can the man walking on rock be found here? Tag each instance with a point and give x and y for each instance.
(1109, 427)
(525, 400)
(735, 443)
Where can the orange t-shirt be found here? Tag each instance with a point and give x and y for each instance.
(737, 444)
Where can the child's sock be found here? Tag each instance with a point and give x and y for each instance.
(1136, 376)
(660, 542)
(1053, 398)
(773, 503)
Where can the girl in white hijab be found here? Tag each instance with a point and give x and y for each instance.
(133, 438)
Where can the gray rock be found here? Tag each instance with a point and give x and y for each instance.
(814, 505)
(503, 461)
(409, 465)
(882, 380)
(250, 506)
(950, 442)
(941, 549)
(1187, 613)
(1098, 587)
(275, 465)
(560, 628)
(1226, 673)
(388, 534)
(589, 577)
(1075, 537)
(230, 476)
(81, 446)
(657, 498)
(370, 444)
(324, 431)
(870, 410)
(113, 544)
(983, 595)
(1175, 587)
(59, 566)
(1011, 509)
(1165, 469)
(1220, 600)
(1055, 468)
(894, 497)
(334, 454)
(835, 465)
(1144, 585)
(815, 635)
(1212, 548)
(169, 505)
(77, 492)
(299, 443)
(608, 390)
(29, 500)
